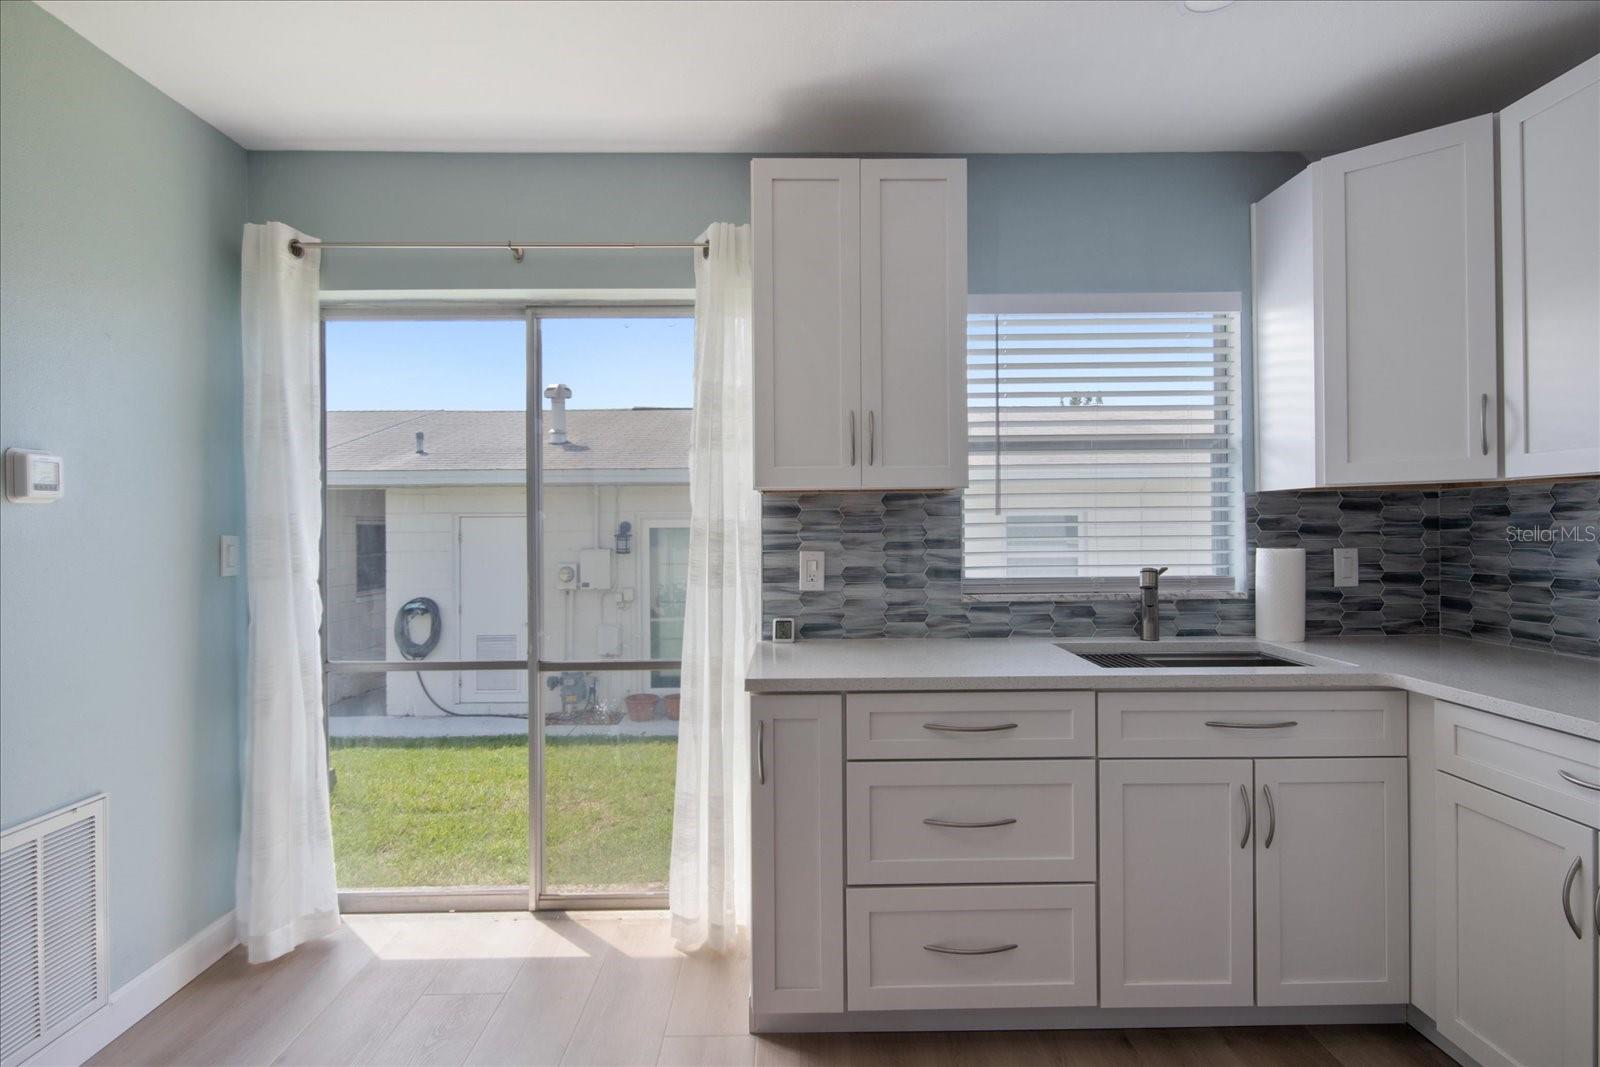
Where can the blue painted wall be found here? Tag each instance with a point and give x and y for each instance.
(120, 647)
(1170, 222)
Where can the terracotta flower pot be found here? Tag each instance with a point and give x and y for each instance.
(672, 700)
(641, 706)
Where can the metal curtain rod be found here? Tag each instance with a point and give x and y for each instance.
(297, 247)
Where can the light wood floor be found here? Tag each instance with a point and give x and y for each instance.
(608, 988)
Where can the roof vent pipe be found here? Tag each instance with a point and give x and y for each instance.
(558, 395)
(420, 450)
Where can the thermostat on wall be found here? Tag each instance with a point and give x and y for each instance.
(33, 477)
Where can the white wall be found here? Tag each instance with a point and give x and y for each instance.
(422, 551)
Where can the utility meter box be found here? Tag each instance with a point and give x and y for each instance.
(594, 568)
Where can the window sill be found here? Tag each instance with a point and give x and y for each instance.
(1100, 594)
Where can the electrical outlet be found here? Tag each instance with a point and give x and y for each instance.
(812, 570)
(1346, 567)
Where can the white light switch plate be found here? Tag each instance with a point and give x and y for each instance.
(812, 570)
(1346, 567)
(228, 556)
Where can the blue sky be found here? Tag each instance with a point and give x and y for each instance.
(479, 365)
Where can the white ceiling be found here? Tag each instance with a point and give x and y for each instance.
(784, 76)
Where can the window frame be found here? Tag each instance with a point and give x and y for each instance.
(382, 588)
(1233, 584)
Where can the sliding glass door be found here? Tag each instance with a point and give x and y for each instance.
(443, 599)
(614, 476)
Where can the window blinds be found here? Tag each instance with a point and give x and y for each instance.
(1101, 443)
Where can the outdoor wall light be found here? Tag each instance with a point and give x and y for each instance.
(624, 538)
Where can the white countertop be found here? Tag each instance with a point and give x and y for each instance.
(1561, 692)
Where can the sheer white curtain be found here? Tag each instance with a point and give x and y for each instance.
(710, 887)
(286, 888)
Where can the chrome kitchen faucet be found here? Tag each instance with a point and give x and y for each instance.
(1150, 602)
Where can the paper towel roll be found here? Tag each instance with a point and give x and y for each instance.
(1281, 594)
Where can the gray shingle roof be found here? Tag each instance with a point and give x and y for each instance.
(598, 439)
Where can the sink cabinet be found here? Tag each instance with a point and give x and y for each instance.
(1276, 882)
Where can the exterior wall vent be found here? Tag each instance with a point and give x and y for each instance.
(52, 926)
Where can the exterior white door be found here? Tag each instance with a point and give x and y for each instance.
(1176, 851)
(493, 606)
(797, 857)
(1550, 273)
(806, 216)
(1409, 371)
(1331, 872)
(1516, 929)
(913, 323)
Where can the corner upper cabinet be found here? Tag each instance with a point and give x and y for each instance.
(860, 323)
(1550, 276)
(1375, 315)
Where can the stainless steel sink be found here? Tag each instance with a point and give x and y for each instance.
(1182, 660)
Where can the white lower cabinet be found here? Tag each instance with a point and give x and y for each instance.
(979, 946)
(1331, 882)
(1515, 929)
(797, 864)
(1276, 882)
(1175, 883)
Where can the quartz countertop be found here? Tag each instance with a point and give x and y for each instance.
(1561, 692)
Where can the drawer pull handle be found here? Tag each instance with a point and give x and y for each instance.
(1575, 780)
(1249, 816)
(958, 824)
(1223, 724)
(942, 728)
(946, 950)
(1272, 817)
(1566, 897)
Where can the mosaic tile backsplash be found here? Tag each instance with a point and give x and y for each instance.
(1514, 564)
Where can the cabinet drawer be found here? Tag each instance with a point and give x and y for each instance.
(1003, 947)
(1224, 723)
(1520, 760)
(969, 725)
(970, 821)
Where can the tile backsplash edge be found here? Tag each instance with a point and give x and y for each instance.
(1515, 564)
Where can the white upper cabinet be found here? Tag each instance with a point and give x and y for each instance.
(1550, 276)
(1375, 315)
(860, 321)
(807, 375)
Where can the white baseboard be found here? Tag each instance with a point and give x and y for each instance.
(140, 996)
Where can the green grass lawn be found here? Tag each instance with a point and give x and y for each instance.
(454, 811)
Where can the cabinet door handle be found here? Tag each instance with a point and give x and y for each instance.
(852, 438)
(960, 824)
(1249, 816)
(761, 751)
(1566, 897)
(1272, 817)
(943, 728)
(1575, 780)
(872, 438)
(1223, 724)
(1483, 416)
(946, 950)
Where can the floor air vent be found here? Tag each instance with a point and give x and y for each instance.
(52, 926)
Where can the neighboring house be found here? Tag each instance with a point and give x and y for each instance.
(433, 504)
